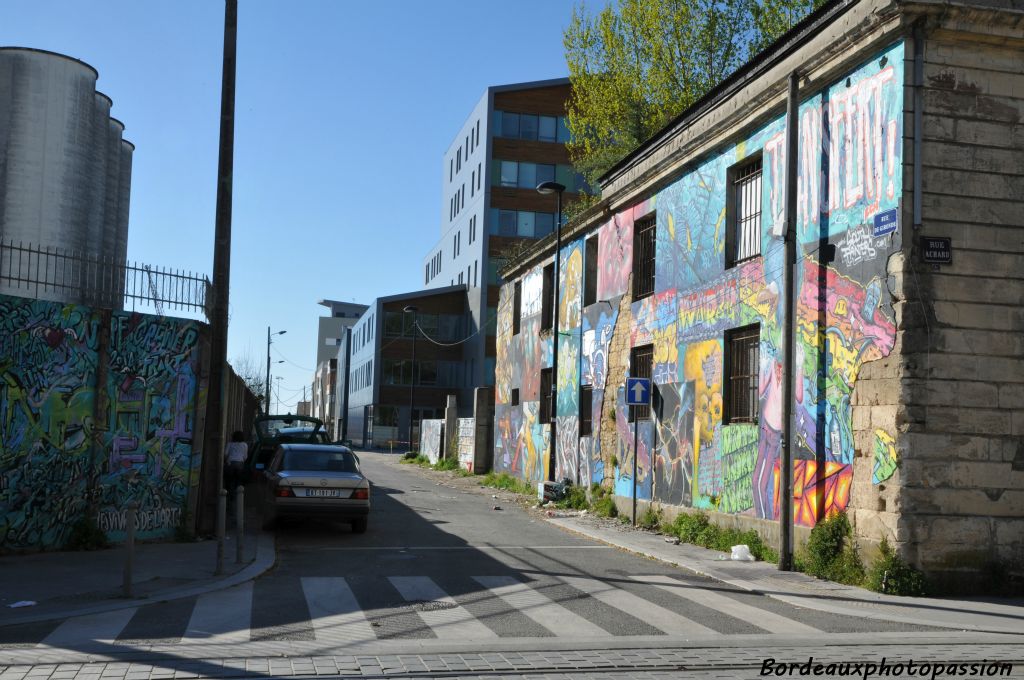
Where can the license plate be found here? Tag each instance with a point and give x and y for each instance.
(325, 493)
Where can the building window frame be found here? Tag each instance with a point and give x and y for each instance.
(644, 254)
(741, 374)
(743, 213)
(547, 302)
(517, 307)
(546, 406)
(590, 269)
(586, 410)
(641, 365)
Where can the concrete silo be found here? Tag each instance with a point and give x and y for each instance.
(62, 170)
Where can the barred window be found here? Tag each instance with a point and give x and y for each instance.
(590, 272)
(742, 362)
(641, 362)
(586, 410)
(545, 396)
(744, 234)
(547, 305)
(517, 306)
(643, 257)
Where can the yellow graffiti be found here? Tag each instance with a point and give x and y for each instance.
(569, 305)
(703, 365)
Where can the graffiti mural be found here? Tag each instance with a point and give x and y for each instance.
(75, 443)
(431, 436)
(849, 172)
(466, 440)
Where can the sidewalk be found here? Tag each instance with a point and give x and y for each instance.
(64, 584)
(994, 615)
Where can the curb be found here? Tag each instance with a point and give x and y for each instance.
(262, 562)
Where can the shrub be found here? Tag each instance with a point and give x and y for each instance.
(418, 459)
(85, 535)
(450, 463)
(889, 574)
(830, 552)
(602, 503)
(503, 480)
(575, 499)
(650, 520)
(697, 529)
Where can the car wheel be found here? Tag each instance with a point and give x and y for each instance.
(359, 526)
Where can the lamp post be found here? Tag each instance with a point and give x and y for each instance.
(414, 310)
(266, 403)
(554, 188)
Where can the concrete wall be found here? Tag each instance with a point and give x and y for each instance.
(96, 409)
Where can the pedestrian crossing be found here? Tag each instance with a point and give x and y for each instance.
(344, 611)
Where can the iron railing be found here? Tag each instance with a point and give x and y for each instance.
(49, 273)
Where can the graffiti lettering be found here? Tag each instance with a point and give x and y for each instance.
(858, 245)
(154, 519)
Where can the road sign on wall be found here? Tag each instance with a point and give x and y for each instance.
(638, 391)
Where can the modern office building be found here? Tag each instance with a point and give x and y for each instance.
(332, 352)
(513, 140)
(65, 169)
(382, 365)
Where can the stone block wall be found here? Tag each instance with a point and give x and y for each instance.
(961, 475)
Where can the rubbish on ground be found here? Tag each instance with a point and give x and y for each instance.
(22, 603)
(741, 553)
(674, 540)
(496, 507)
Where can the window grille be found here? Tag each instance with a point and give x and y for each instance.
(545, 395)
(640, 364)
(517, 307)
(643, 257)
(586, 410)
(746, 226)
(741, 371)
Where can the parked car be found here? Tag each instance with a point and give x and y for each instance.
(269, 432)
(315, 480)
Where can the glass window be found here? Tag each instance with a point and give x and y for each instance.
(547, 131)
(527, 126)
(527, 175)
(428, 373)
(509, 173)
(525, 224)
(563, 130)
(507, 222)
(509, 124)
(564, 175)
(544, 224)
(393, 324)
(546, 173)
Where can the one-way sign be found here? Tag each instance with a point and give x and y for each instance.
(638, 391)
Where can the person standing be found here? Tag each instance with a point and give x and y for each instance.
(235, 455)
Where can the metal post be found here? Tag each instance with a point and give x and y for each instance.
(129, 547)
(412, 379)
(552, 461)
(239, 522)
(789, 329)
(636, 454)
(222, 520)
(266, 402)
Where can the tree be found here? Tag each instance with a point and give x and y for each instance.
(636, 66)
(252, 373)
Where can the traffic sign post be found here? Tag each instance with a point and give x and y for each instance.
(638, 393)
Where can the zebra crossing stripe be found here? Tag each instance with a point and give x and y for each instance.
(766, 620)
(334, 611)
(79, 630)
(222, 616)
(442, 613)
(648, 612)
(552, 616)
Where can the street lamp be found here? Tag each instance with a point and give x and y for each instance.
(548, 188)
(414, 310)
(278, 379)
(266, 403)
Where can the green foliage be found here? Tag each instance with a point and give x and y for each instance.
(503, 480)
(575, 499)
(830, 552)
(650, 519)
(85, 535)
(637, 64)
(451, 463)
(888, 573)
(697, 529)
(414, 459)
(602, 503)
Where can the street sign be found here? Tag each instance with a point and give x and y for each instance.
(638, 391)
(885, 223)
(937, 250)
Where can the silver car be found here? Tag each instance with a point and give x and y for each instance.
(315, 480)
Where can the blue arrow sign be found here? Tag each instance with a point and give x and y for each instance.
(638, 391)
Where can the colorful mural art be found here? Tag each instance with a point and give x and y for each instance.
(96, 409)
(849, 174)
(431, 435)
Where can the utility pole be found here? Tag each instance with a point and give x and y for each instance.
(213, 460)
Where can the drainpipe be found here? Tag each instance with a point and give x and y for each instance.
(918, 33)
(789, 329)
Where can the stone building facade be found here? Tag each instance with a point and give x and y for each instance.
(908, 373)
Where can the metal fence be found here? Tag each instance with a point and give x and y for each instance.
(46, 273)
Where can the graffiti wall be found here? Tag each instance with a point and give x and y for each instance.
(431, 438)
(96, 409)
(466, 440)
(690, 454)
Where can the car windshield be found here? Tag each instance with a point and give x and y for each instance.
(319, 461)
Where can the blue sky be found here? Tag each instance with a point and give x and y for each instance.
(343, 112)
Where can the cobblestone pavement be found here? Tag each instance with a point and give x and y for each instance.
(636, 662)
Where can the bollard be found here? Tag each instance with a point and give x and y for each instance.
(239, 521)
(129, 547)
(222, 512)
